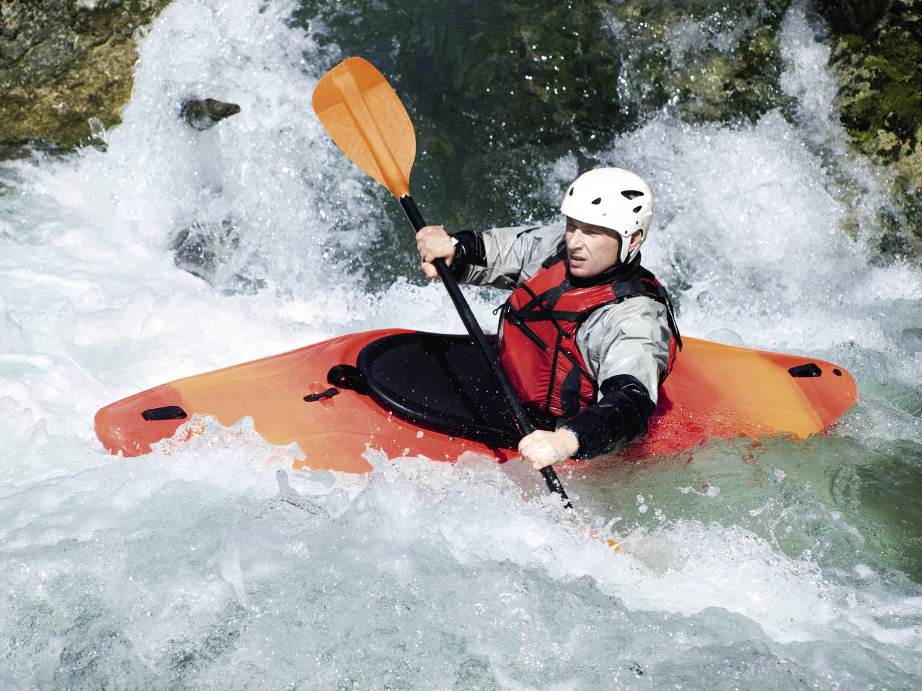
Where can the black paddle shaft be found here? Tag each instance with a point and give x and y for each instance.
(487, 350)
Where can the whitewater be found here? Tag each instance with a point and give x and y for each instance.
(214, 563)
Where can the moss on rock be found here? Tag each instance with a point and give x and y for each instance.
(877, 53)
(902, 232)
(62, 63)
(705, 61)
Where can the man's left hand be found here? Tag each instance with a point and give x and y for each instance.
(541, 448)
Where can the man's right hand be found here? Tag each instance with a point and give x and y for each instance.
(434, 243)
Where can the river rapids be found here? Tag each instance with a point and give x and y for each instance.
(212, 564)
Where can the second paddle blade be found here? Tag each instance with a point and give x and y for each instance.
(366, 119)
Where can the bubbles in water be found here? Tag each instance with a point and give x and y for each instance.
(201, 563)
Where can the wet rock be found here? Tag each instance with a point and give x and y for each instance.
(200, 248)
(62, 63)
(877, 54)
(853, 16)
(703, 61)
(880, 80)
(203, 114)
(902, 224)
(208, 250)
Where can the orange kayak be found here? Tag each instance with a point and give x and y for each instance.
(416, 393)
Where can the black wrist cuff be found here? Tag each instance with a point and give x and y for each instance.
(468, 251)
(620, 415)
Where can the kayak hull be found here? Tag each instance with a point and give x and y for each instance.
(715, 390)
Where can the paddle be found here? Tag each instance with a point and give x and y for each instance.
(367, 120)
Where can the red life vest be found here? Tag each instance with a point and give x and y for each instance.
(538, 325)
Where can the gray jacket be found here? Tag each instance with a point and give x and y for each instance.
(631, 337)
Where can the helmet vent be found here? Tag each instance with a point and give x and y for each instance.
(637, 209)
(631, 194)
(571, 190)
(597, 201)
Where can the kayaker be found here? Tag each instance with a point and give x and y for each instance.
(588, 334)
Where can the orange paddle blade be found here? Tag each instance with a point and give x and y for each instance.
(366, 119)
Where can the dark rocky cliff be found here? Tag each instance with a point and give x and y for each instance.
(877, 55)
(65, 62)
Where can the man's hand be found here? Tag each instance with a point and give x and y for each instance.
(434, 243)
(542, 448)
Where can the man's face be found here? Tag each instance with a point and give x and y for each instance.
(590, 249)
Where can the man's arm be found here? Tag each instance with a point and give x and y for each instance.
(626, 346)
(501, 257)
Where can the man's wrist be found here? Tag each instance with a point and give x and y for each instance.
(570, 438)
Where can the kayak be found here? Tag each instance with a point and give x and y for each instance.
(411, 393)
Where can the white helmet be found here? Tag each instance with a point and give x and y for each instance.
(613, 198)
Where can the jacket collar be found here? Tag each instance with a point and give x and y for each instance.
(619, 272)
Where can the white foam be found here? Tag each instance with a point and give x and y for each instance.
(197, 564)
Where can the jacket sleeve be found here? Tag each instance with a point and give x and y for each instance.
(626, 346)
(504, 257)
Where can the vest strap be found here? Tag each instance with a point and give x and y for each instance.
(555, 377)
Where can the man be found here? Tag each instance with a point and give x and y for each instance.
(588, 334)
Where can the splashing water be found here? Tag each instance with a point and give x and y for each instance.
(743, 565)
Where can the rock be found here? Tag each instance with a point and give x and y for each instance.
(205, 114)
(205, 249)
(202, 247)
(853, 16)
(902, 225)
(704, 61)
(62, 63)
(877, 54)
